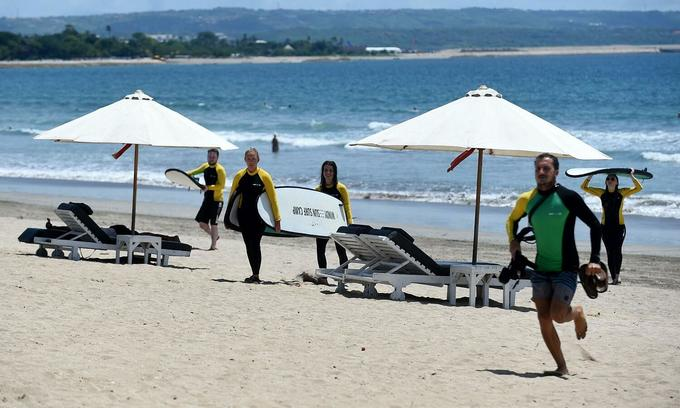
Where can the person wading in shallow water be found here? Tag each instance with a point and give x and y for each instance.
(275, 144)
(552, 211)
(613, 226)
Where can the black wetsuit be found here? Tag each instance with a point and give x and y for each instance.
(214, 177)
(613, 226)
(613, 233)
(252, 227)
(322, 242)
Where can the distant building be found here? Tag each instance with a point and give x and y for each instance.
(289, 48)
(388, 50)
(162, 37)
(260, 42)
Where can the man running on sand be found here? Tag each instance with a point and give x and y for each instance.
(552, 211)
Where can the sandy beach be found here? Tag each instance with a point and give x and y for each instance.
(92, 333)
(441, 54)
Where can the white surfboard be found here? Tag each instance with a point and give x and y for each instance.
(178, 176)
(304, 212)
(231, 220)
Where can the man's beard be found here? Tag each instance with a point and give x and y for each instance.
(545, 182)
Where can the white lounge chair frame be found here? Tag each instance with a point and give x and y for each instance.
(383, 261)
(70, 241)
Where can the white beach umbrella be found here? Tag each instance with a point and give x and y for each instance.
(482, 120)
(136, 120)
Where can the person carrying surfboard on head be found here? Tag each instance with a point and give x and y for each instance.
(613, 226)
(330, 185)
(215, 178)
(552, 211)
(250, 182)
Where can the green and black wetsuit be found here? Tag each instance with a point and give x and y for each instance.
(553, 223)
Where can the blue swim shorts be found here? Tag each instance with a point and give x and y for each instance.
(554, 285)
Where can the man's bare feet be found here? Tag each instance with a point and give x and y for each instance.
(580, 323)
(559, 372)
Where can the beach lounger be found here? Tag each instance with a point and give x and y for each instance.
(82, 232)
(359, 268)
(390, 256)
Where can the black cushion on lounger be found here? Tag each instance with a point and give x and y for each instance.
(399, 230)
(124, 230)
(81, 214)
(405, 242)
(176, 246)
(31, 233)
(83, 207)
(355, 229)
(121, 229)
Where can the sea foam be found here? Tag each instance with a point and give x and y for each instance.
(662, 157)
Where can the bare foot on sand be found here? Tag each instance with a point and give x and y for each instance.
(559, 372)
(580, 323)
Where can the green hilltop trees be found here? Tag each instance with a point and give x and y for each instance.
(71, 44)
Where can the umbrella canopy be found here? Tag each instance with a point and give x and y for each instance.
(482, 120)
(136, 120)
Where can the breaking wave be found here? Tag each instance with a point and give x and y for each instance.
(662, 157)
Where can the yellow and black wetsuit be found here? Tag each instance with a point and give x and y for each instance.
(215, 177)
(338, 191)
(250, 186)
(613, 226)
(553, 223)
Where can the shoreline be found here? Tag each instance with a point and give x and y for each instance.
(647, 235)
(441, 54)
(649, 266)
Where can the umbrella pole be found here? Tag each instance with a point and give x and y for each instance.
(134, 189)
(475, 240)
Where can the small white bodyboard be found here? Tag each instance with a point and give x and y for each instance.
(619, 171)
(181, 178)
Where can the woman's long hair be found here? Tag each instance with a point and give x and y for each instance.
(335, 173)
(617, 182)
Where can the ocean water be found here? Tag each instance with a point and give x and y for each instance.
(624, 105)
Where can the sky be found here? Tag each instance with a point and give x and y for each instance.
(42, 8)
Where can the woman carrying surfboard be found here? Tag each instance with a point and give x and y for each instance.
(330, 185)
(613, 226)
(250, 182)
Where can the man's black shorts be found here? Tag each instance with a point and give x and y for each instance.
(209, 212)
